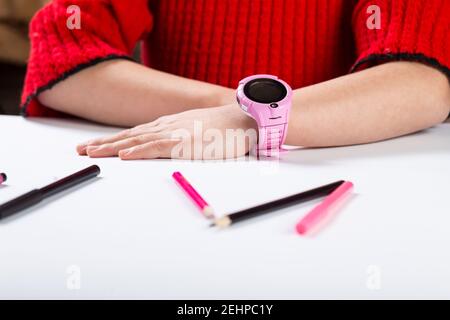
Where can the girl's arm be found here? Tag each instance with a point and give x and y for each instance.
(125, 93)
(379, 103)
(383, 102)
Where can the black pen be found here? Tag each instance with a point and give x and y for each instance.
(249, 213)
(35, 196)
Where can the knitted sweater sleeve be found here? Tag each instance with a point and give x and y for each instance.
(108, 29)
(412, 30)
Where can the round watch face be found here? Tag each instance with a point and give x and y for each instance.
(265, 90)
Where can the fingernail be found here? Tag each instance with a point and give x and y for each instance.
(81, 149)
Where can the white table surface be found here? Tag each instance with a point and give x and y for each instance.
(133, 234)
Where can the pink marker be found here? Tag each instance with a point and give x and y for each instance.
(322, 210)
(2, 177)
(194, 195)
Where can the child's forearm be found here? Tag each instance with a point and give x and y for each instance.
(379, 103)
(124, 93)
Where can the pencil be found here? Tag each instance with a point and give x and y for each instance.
(265, 208)
(204, 207)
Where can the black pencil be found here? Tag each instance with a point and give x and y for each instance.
(265, 208)
(35, 196)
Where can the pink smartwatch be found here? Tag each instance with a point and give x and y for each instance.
(268, 100)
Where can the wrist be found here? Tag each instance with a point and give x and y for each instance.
(242, 119)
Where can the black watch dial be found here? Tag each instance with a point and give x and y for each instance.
(265, 90)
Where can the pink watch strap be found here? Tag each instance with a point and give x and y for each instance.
(272, 137)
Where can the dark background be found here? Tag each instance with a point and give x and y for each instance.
(11, 79)
(15, 16)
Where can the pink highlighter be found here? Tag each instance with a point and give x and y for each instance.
(323, 209)
(3, 177)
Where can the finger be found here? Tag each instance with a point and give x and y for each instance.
(112, 149)
(82, 147)
(150, 150)
(152, 127)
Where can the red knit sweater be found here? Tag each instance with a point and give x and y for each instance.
(222, 41)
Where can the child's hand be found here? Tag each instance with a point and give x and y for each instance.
(212, 133)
